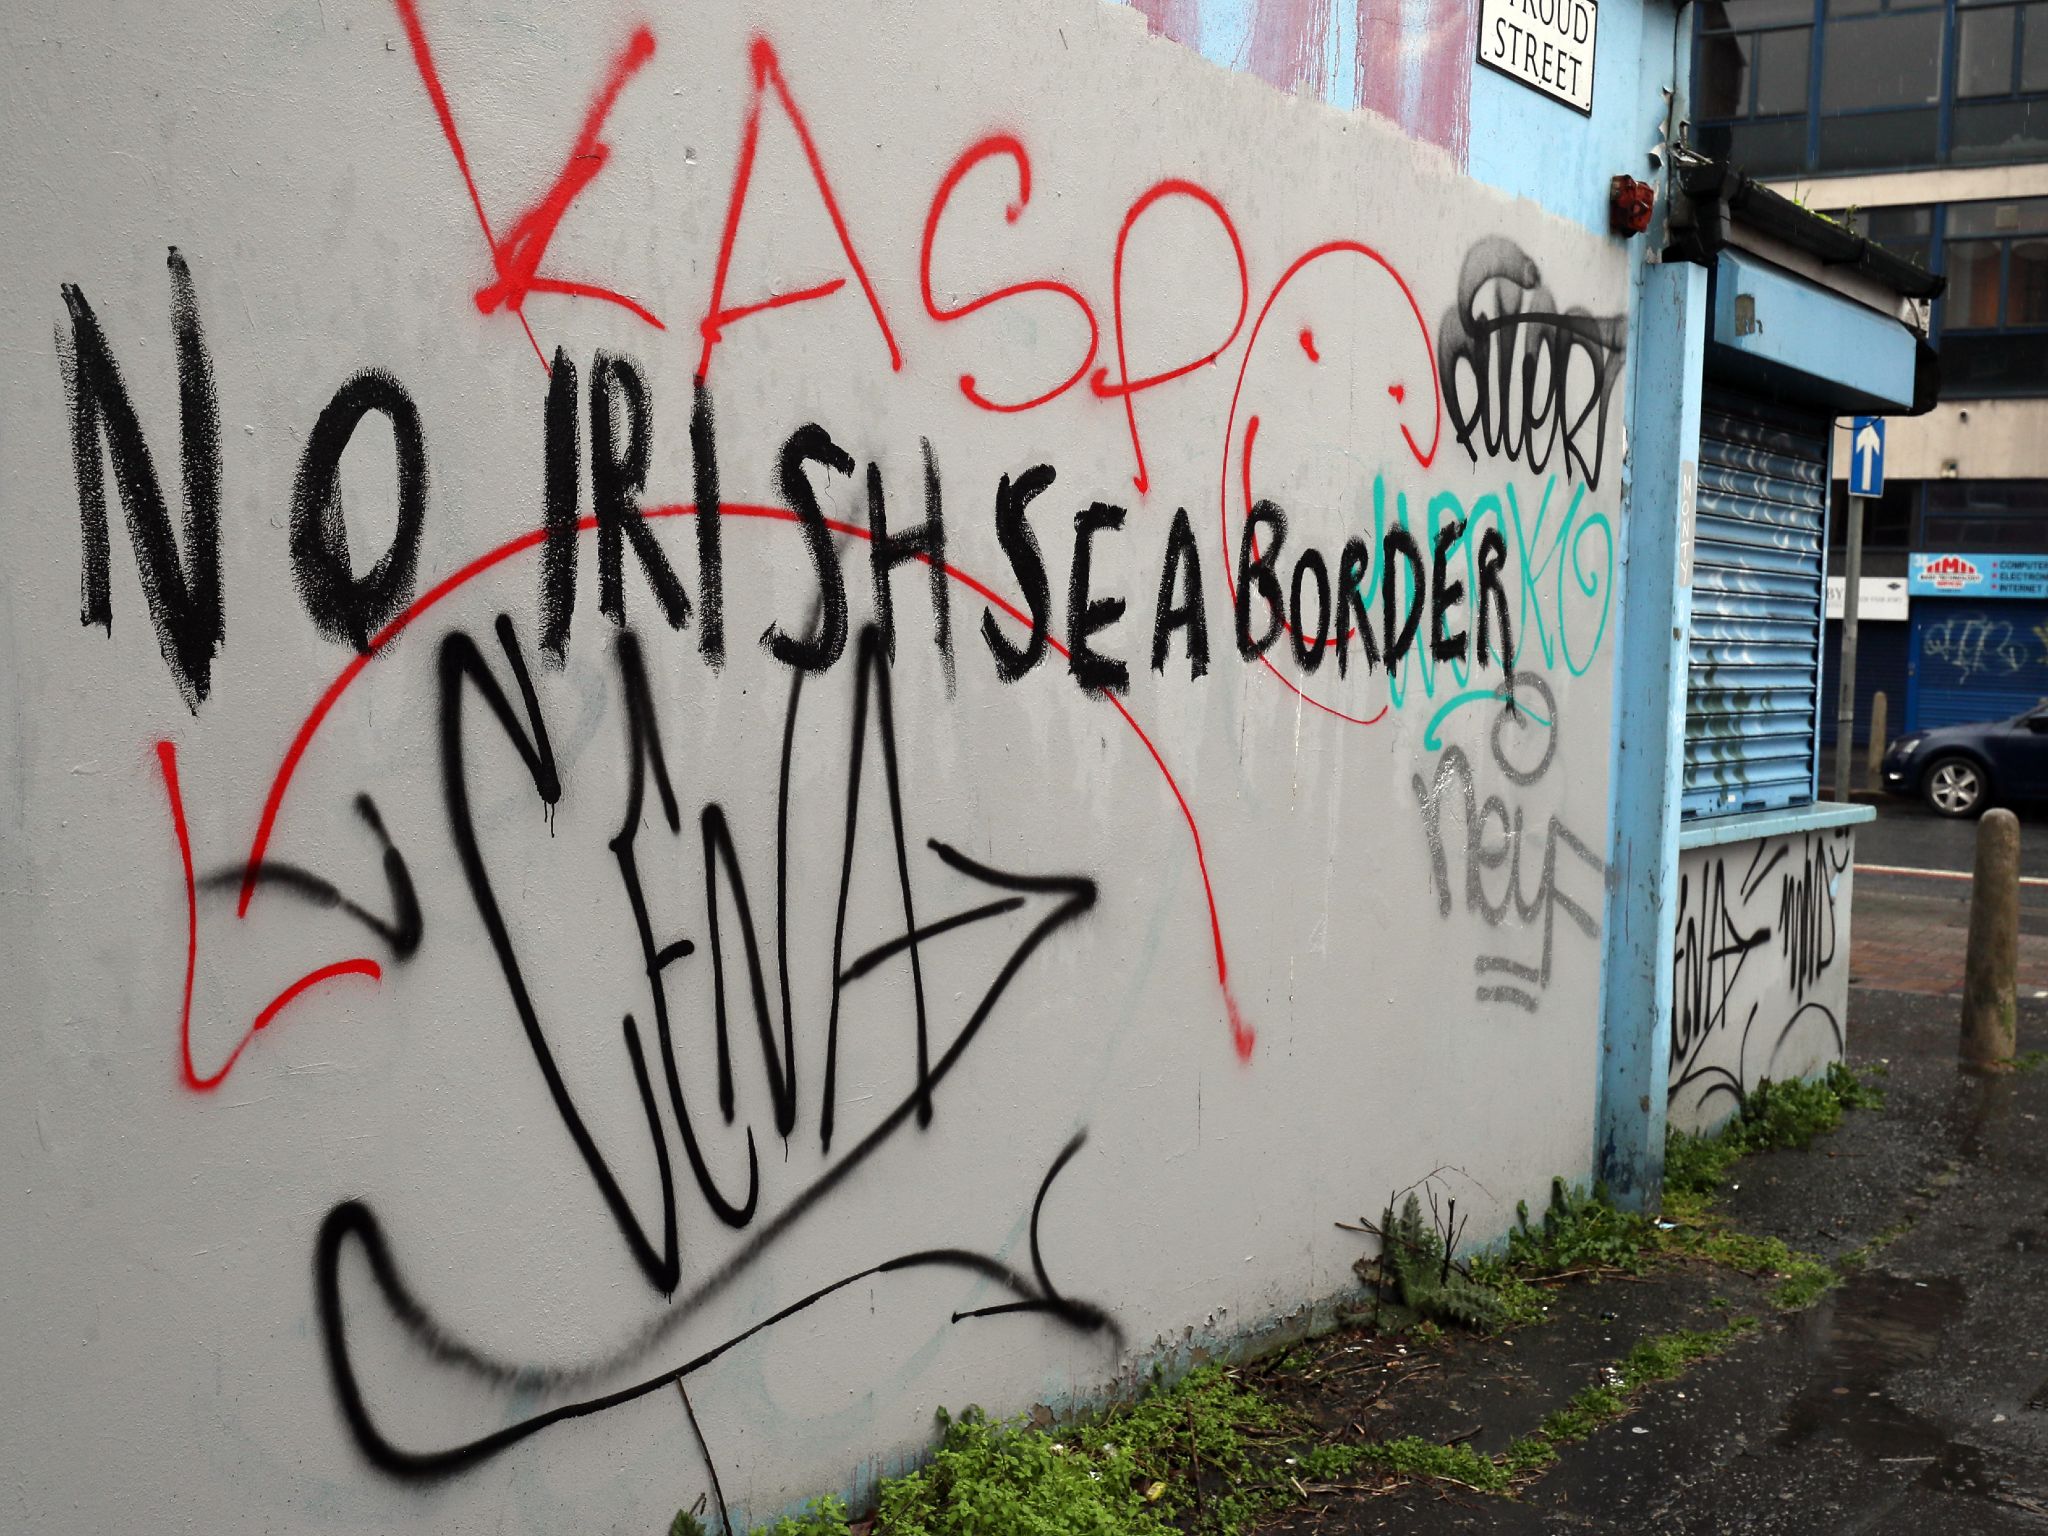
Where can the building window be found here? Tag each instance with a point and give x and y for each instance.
(1994, 317)
(2002, 50)
(1840, 85)
(2001, 61)
(1992, 323)
(1754, 71)
(1985, 516)
(1887, 519)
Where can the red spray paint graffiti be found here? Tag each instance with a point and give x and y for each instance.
(517, 255)
(1243, 1036)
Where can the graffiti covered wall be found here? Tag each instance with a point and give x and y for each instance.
(726, 722)
(1760, 973)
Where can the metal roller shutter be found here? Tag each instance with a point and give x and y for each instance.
(1976, 661)
(1759, 557)
(1881, 663)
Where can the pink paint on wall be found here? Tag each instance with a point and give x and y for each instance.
(1178, 19)
(1411, 59)
(1290, 44)
(1414, 64)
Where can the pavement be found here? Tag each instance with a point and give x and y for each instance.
(1912, 1400)
(1912, 907)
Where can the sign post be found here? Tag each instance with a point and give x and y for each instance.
(1866, 479)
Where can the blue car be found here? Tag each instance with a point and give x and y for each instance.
(1960, 770)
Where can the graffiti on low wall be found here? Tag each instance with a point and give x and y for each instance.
(1760, 971)
(723, 729)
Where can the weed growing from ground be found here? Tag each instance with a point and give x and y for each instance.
(1666, 1357)
(1581, 1231)
(1773, 1116)
(1653, 1360)
(1212, 1455)
(988, 1477)
(1412, 1256)
(1412, 1456)
(1583, 1414)
(1205, 1457)
(1850, 1088)
(1209, 1457)
(1856, 1258)
(826, 1517)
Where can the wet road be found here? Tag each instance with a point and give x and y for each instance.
(1912, 900)
(1910, 1401)
(1908, 835)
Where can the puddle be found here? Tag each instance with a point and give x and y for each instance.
(1875, 1326)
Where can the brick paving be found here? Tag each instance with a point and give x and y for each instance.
(1908, 935)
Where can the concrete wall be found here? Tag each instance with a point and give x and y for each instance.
(1903, 189)
(1963, 439)
(516, 1003)
(1760, 972)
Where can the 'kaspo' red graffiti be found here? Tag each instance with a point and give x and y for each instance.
(517, 258)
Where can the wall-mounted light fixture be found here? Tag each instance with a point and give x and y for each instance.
(1628, 205)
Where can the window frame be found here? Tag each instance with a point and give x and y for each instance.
(2023, 15)
(1943, 325)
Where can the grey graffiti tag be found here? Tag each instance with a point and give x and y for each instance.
(1975, 645)
(1482, 856)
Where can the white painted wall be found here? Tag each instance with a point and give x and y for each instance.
(1760, 976)
(182, 1340)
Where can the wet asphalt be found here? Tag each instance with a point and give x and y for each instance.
(1908, 836)
(1915, 1397)
(1912, 1399)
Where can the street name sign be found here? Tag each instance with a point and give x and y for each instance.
(1545, 44)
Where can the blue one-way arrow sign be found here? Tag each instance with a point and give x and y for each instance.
(1866, 456)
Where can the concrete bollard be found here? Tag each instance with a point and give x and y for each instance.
(1990, 968)
(1873, 758)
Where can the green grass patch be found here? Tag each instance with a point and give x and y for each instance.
(1700, 1233)
(1662, 1358)
(1530, 1454)
(1207, 1458)
(1666, 1356)
(1850, 1088)
(1773, 1116)
(1583, 1414)
(1210, 1457)
(1412, 1456)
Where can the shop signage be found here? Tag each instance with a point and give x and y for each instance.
(1877, 597)
(2017, 576)
(1545, 44)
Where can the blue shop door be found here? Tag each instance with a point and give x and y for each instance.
(1975, 661)
(1881, 656)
